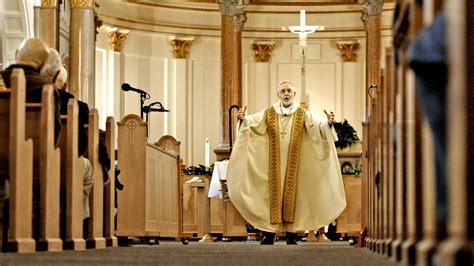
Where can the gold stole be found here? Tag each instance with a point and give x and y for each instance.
(289, 189)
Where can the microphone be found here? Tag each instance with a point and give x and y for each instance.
(161, 110)
(127, 87)
(148, 109)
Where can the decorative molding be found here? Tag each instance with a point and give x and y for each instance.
(49, 3)
(180, 46)
(117, 39)
(349, 51)
(228, 7)
(81, 3)
(97, 22)
(239, 20)
(373, 7)
(262, 50)
(364, 17)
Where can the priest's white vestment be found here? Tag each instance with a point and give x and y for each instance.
(279, 182)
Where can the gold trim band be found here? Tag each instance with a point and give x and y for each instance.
(274, 165)
(81, 3)
(291, 175)
(291, 178)
(49, 3)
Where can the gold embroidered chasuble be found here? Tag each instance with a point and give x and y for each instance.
(285, 182)
(291, 173)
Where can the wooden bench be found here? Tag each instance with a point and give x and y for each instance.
(109, 187)
(71, 179)
(96, 197)
(46, 169)
(16, 165)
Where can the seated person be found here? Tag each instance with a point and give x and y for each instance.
(31, 56)
(60, 79)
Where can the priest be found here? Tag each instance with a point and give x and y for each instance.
(283, 173)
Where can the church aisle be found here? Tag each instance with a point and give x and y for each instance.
(218, 253)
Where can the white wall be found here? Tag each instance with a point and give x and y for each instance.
(190, 87)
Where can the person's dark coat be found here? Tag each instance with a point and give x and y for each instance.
(34, 88)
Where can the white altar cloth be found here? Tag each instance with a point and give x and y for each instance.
(219, 173)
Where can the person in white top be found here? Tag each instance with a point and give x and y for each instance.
(283, 173)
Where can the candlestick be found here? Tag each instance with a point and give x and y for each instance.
(206, 153)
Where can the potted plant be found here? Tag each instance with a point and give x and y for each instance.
(346, 134)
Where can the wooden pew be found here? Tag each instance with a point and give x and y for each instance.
(16, 162)
(71, 179)
(458, 248)
(46, 168)
(101, 206)
(96, 197)
(148, 206)
(109, 187)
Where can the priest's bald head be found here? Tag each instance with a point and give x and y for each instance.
(32, 52)
(285, 84)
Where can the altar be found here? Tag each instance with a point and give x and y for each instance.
(223, 213)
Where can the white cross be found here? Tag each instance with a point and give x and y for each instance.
(302, 30)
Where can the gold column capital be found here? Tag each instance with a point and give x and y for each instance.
(49, 3)
(180, 46)
(262, 50)
(349, 51)
(81, 3)
(117, 38)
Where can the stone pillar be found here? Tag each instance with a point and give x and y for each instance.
(177, 96)
(48, 23)
(232, 21)
(82, 51)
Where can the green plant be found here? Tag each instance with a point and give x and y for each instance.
(357, 170)
(198, 170)
(346, 134)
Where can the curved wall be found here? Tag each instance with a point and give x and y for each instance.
(190, 87)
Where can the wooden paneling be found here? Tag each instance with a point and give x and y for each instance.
(349, 221)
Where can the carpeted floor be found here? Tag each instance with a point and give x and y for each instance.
(218, 253)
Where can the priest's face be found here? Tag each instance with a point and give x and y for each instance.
(286, 95)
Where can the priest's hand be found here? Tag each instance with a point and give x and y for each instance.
(241, 112)
(330, 117)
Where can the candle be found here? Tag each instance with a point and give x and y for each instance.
(206, 153)
(302, 18)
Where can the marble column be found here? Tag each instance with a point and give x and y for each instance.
(82, 51)
(177, 96)
(48, 23)
(232, 21)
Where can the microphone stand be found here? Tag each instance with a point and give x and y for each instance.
(230, 124)
(147, 109)
(143, 97)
